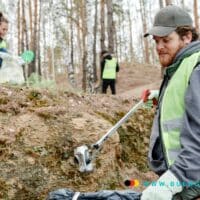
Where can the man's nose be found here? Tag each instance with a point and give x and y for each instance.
(159, 45)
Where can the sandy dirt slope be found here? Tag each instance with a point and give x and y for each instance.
(136, 77)
(40, 130)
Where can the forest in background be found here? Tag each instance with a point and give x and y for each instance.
(67, 36)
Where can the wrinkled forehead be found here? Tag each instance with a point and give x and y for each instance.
(3, 28)
(157, 37)
(171, 35)
(3, 24)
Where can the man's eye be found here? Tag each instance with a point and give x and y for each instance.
(156, 41)
(166, 40)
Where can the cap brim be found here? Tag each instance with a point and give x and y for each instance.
(160, 31)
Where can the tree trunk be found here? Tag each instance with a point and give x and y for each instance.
(19, 26)
(38, 40)
(31, 24)
(23, 27)
(196, 16)
(120, 37)
(71, 64)
(130, 36)
(183, 4)
(79, 33)
(116, 42)
(168, 2)
(26, 41)
(32, 66)
(102, 25)
(144, 17)
(84, 35)
(110, 24)
(44, 48)
(90, 46)
(161, 3)
(94, 44)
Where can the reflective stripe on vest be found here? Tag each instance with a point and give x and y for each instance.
(173, 108)
(109, 71)
(3, 44)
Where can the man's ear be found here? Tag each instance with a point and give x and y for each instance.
(187, 38)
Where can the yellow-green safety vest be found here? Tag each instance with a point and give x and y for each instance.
(109, 71)
(3, 44)
(173, 108)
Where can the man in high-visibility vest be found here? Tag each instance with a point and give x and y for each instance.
(174, 152)
(109, 70)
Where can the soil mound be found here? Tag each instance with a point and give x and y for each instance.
(41, 129)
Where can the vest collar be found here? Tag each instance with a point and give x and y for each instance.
(170, 70)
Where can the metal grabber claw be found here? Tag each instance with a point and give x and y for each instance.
(85, 155)
(82, 156)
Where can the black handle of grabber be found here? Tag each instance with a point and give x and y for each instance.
(118, 124)
(95, 146)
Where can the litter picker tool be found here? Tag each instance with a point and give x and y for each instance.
(25, 58)
(84, 155)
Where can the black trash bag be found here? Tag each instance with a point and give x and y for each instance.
(67, 194)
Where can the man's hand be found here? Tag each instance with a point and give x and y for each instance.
(164, 189)
(153, 94)
(149, 95)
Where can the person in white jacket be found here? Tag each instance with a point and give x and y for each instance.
(3, 32)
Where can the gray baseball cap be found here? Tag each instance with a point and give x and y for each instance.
(168, 19)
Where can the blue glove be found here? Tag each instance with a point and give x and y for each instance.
(166, 186)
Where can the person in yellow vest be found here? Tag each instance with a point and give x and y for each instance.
(174, 151)
(109, 70)
(3, 31)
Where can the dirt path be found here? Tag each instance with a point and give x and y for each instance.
(137, 91)
(136, 77)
